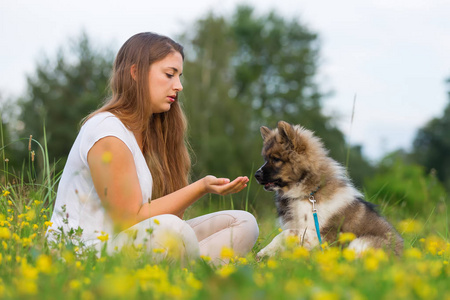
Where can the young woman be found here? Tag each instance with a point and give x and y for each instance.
(128, 169)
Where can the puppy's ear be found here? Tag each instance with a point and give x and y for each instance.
(265, 131)
(287, 133)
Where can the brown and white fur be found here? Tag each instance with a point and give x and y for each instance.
(296, 165)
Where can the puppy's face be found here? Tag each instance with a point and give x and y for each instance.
(286, 161)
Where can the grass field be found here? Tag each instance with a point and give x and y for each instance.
(31, 269)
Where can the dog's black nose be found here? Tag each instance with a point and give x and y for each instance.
(258, 175)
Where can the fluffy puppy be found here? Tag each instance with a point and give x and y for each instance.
(300, 172)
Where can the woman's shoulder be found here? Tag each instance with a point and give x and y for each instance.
(102, 125)
(105, 123)
(104, 120)
(101, 117)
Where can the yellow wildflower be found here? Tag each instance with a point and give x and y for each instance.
(48, 223)
(323, 295)
(410, 226)
(26, 287)
(226, 271)
(5, 224)
(173, 245)
(159, 250)
(106, 157)
(205, 258)
(349, 254)
(346, 237)
(35, 226)
(26, 242)
(227, 253)
(31, 215)
(44, 263)
(324, 245)
(300, 252)
(104, 237)
(28, 271)
(413, 253)
(87, 295)
(424, 290)
(434, 244)
(193, 282)
(292, 241)
(242, 261)
(5, 233)
(2, 289)
(119, 285)
(74, 284)
(371, 263)
(5, 193)
(272, 264)
(79, 265)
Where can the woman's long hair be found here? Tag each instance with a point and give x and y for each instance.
(163, 134)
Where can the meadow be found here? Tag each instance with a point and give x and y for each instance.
(33, 269)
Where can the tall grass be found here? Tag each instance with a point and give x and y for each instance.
(347, 160)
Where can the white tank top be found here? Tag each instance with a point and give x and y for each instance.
(76, 193)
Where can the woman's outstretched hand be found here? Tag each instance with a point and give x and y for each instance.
(223, 186)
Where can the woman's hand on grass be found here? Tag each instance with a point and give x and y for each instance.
(223, 186)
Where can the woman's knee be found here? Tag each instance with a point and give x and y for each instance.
(163, 231)
(247, 223)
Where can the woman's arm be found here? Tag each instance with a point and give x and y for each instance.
(115, 180)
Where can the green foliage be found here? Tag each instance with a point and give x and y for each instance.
(432, 146)
(62, 92)
(246, 71)
(8, 112)
(406, 186)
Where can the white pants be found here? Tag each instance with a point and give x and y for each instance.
(205, 235)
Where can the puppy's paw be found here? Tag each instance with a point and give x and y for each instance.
(308, 240)
(261, 254)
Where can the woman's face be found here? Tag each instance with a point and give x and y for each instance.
(164, 82)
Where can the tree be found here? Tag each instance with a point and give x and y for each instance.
(246, 71)
(8, 114)
(431, 146)
(63, 91)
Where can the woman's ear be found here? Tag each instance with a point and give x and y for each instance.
(133, 71)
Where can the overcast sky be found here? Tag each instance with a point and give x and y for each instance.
(393, 55)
